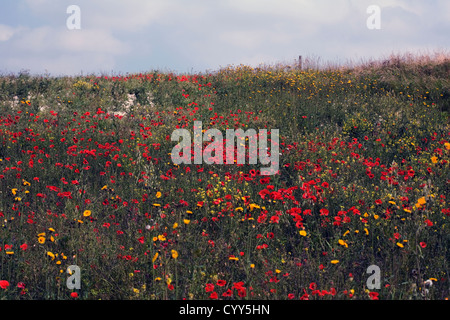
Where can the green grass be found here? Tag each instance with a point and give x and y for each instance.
(364, 173)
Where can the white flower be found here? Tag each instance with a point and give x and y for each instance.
(428, 283)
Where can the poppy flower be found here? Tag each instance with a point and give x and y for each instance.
(209, 287)
(227, 293)
(221, 283)
(373, 295)
(4, 284)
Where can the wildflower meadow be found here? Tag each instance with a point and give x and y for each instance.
(358, 208)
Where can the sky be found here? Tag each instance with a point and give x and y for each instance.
(113, 37)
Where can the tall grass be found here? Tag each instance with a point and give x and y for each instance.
(86, 179)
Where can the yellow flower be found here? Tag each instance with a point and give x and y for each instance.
(174, 254)
(400, 244)
(156, 205)
(155, 257)
(302, 233)
(87, 213)
(186, 221)
(252, 265)
(343, 243)
(14, 191)
(9, 252)
(447, 145)
(334, 261)
(161, 238)
(41, 240)
(158, 195)
(175, 225)
(421, 201)
(434, 159)
(51, 255)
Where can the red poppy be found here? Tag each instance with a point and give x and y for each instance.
(214, 295)
(227, 293)
(242, 292)
(74, 295)
(4, 284)
(373, 295)
(209, 287)
(221, 283)
(274, 219)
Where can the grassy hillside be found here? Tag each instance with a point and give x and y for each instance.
(86, 179)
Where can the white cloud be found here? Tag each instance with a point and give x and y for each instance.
(6, 32)
(90, 40)
(204, 34)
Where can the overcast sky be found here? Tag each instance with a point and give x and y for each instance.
(129, 36)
